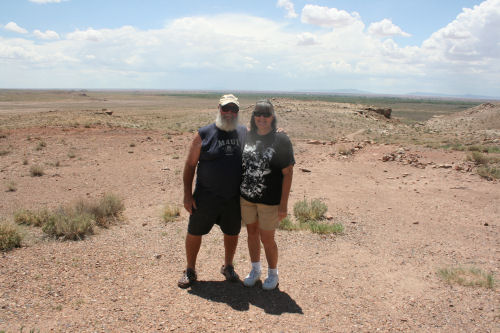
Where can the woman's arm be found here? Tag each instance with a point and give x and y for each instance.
(285, 191)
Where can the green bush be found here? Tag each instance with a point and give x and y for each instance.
(10, 237)
(325, 228)
(287, 224)
(306, 211)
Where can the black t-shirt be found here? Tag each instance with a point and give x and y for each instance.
(264, 156)
(219, 165)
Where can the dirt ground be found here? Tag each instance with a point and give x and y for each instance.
(402, 224)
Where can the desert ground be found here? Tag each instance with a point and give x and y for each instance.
(410, 203)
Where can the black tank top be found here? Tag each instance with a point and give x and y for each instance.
(219, 166)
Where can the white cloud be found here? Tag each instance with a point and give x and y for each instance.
(386, 28)
(289, 7)
(46, 1)
(473, 37)
(12, 26)
(48, 34)
(258, 53)
(306, 38)
(89, 34)
(328, 17)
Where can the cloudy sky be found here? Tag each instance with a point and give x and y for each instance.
(381, 46)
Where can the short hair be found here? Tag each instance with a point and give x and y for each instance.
(266, 106)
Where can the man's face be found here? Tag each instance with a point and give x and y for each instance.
(228, 117)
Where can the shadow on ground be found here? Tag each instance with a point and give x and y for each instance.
(239, 297)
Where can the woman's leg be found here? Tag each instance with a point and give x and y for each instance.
(270, 247)
(253, 241)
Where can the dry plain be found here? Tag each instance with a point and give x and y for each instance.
(423, 209)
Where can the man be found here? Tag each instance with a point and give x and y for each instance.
(216, 151)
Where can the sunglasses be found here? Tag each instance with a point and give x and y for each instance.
(230, 108)
(264, 114)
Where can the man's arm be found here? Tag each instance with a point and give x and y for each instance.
(189, 170)
(285, 191)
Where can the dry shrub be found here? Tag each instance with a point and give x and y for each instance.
(69, 224)
(10, 237)
(36, 171)
(28, 217)
(11, 186)
(76, 221)
(105, 211)
(170, 213)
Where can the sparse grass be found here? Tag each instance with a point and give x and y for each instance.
(41, 145)
(71, 153)
(309, 211)
(25, 161)
(32, 218)
(288, 224)
(478, 158)
(69, 224)
(170, 213)
(76, 221)
(11, 186)
(105, 211)
(325, 228)
(488, 165)
(310, 215)
(10, 237)
(36, 171)
(471, 276)
(4, 152)
(343, 150)
(489, 172)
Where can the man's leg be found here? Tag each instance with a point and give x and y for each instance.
(193, 244)
(230, 244)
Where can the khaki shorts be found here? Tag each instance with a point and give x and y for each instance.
(266, 215)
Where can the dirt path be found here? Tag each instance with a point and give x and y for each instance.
(402, 225)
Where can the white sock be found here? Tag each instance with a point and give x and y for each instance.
(272, 271)
(256, 266)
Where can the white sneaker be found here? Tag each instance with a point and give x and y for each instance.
(270, 282)
(252, 278)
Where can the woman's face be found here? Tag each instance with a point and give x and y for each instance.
(263, 121)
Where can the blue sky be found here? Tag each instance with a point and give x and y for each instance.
(384, 46)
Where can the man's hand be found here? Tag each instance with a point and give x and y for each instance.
(189, 203)
(189, 170)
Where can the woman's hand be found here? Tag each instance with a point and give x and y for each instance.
(282, 211)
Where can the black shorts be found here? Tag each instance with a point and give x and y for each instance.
(212, 210)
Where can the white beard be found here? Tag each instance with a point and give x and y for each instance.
(224, 124)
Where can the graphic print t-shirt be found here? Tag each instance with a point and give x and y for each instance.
(264, 156)
(219, 165)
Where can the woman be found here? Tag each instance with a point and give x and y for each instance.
(267, 177)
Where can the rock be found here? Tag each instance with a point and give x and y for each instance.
(314, 142)
(304, 170)
(445, 166)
